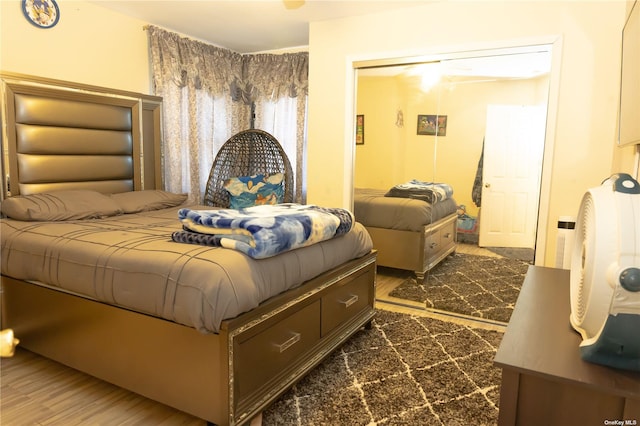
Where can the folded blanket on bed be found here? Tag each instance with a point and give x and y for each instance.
(265, 230)
(430, 192)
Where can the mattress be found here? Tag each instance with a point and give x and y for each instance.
(372, 208)
(131, 261)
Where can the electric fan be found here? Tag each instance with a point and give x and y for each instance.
(605, 274)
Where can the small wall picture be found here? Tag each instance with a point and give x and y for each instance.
(434, 125)
(360, 129)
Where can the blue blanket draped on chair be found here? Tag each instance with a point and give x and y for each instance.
(263, 231)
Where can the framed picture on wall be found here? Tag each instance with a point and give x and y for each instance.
(360, 129)
(433, 125)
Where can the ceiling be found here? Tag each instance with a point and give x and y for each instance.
(248, 26)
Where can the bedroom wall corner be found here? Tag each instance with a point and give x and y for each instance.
(90, 44)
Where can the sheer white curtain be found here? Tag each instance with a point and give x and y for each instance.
(286, 120)
(207, 95)
(195, 125)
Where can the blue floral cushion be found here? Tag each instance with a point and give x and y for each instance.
(247, 191)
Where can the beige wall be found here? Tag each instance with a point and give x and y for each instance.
(90, 45)
(380, 160)
(584, 130)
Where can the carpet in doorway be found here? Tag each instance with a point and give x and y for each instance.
(405, 370)
(477, 286)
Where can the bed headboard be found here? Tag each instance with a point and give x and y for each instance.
(59, 135)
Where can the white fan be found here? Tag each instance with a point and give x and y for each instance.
(605, 274)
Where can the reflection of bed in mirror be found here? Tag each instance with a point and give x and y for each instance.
(207, 330)
(407, 233)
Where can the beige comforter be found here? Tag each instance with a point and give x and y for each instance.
(130, 261)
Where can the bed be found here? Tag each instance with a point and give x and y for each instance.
(407, 233)
(104, 289)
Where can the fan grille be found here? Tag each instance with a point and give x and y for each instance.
(582, 252)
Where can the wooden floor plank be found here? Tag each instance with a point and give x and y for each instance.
(38, 391)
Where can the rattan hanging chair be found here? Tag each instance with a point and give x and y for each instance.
(247, 153)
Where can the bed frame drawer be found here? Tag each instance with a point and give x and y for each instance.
(440, 237)
(432, 242)
(346, 301)
(439, 242)
(448, 235)
(261, 357)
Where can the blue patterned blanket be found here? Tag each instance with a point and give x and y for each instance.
(265, 230)
(430, 192)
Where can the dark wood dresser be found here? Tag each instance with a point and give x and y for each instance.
(544, 379)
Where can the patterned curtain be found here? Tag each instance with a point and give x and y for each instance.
(208, 93)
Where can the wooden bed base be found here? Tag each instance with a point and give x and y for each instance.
(226, 378)
(416, 251)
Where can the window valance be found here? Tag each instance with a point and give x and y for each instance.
(186, 62)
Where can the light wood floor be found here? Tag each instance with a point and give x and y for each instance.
(37, 391)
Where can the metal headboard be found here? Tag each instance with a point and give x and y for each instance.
(59, 135)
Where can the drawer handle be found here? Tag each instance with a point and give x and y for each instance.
(290, 342)
(432, 245)
(447, 235)
(353, 299)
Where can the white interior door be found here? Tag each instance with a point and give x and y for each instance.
(512, 164)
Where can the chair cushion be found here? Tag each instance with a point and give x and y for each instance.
(247, 191)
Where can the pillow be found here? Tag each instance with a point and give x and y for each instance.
(247, 191)
(60, 205)
(147, 200)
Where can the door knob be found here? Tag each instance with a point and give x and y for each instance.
(487, 185)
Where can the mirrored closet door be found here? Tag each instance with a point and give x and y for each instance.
(474, 121)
